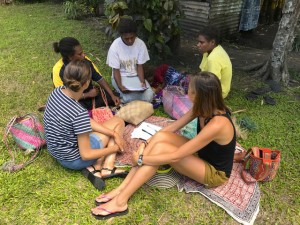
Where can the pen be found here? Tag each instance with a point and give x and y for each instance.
(147, 132)
(152, 128)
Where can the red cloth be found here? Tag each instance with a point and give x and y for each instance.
(159, 74)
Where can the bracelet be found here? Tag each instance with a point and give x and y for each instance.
(83, 96)
(146, 143)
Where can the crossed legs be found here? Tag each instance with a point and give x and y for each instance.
(120, 196)
(163, 142)
(108, 161)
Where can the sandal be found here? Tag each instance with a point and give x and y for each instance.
(98, 182)
(113, 173)
(110, 215)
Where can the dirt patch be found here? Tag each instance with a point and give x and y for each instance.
(261, 37)
(244, 49)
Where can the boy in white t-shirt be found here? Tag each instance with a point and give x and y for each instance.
(126, 57)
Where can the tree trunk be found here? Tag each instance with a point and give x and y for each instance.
(276, 68)
(283, 40)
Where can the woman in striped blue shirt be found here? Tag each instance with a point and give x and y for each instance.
(73, 139)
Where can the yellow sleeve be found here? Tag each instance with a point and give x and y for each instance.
(55, 74)
(96, 68)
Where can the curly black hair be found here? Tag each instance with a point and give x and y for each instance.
(127, 25)
(210, 33)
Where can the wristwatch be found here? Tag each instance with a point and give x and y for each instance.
(140, 160)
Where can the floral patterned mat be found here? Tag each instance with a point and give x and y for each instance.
(239, 199)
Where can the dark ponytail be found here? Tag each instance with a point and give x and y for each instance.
(66, 46)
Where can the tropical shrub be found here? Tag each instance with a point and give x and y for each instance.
(29, 1)
(75, 9)
(157, 20)
(79, 9)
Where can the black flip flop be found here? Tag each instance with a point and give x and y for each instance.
(251, 96)
(261, 91)
(269, 100)
(112, 214)
(114, 174)
(98, 182)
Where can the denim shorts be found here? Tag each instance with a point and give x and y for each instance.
(80, 164)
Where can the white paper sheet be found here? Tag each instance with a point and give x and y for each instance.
(145, 131)
(135, 85)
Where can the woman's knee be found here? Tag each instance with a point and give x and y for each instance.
(115, 121)
(119, 121)
(157, 148)
(161, 136)
(148, 95)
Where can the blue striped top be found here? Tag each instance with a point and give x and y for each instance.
(64, 119)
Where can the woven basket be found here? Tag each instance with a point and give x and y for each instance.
(164, 178)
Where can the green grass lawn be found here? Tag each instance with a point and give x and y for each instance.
(46, 193)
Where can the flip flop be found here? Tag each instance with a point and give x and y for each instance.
(261, 90)
(110, 215)
(269, 100)
(113, 174)
(98, 182)
(104, 196)
(251, 96)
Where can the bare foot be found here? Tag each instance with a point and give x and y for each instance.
(109, 207)
(114, 172)
(106, 197)
(96, 171)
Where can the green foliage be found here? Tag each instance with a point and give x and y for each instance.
(76, 9)
(79, 9)
(30, 1)
(157, 20)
